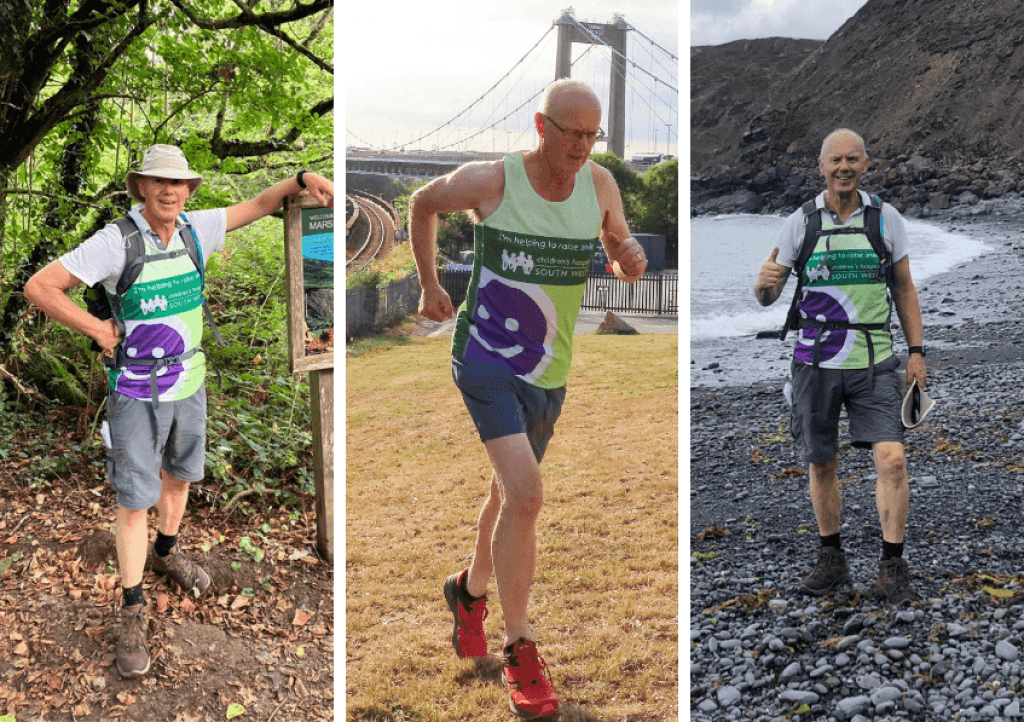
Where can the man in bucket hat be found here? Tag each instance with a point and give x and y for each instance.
(157, 421)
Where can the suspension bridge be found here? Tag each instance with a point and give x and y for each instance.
(636, 78)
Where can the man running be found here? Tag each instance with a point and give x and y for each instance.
(539, 216)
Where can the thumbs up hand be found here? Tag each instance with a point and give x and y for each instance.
(770, 279)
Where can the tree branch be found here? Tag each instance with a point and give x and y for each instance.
(243, 148)
(248, 19)
(324, 65)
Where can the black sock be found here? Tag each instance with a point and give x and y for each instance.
(832, 540)
(133, 595)
(891, 550)
(164, 544)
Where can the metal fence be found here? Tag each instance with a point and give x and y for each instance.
(652, 293)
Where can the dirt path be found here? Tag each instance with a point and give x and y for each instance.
(262, 638)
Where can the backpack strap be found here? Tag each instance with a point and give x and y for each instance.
(135, 259)
(812, 229)
(195, 252)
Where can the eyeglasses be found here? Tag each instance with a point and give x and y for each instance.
(590, 138)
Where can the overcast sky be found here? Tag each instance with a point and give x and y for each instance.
(410, 67)
(714, 22)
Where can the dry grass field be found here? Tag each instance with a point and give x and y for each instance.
(604, 601)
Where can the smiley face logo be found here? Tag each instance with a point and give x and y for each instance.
(514, 324)
(827, 304)
(154, 340)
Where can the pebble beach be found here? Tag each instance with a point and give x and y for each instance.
(762, 650)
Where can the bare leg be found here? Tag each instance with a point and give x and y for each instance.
(171, 507)
(514, 544)
(825, 496)
(892, 491)
(131, 535)
(482, 566)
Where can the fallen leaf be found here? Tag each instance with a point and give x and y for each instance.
(1001, 593)
(235, 710)
(126, 699)
(162, 602)
(240, 601)
(21, 649)
(186, 605)
(301, 617)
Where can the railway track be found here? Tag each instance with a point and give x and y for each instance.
(369, 228)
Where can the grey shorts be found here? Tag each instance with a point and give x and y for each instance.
(143, 443)
(818, 395)
(502, 405)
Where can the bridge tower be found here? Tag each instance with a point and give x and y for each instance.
(614, 34)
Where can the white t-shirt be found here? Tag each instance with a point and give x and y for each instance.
(791, 236)
(101, 257)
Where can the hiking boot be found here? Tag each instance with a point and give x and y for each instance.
(529, 685)
(828, 574)
(190, 576)
(132, 655)
(468, 634)
(893, 582)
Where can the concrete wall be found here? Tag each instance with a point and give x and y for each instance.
(369, 309)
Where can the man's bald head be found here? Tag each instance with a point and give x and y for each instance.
(841, 133)
(568, 92)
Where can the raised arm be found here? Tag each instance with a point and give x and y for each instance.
(474, 186)
(242, 214)
(48, 289)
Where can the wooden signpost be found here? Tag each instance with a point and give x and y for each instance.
(309, 256)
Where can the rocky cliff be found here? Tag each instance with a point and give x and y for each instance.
(934, 86)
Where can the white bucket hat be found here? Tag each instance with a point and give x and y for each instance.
(916, 405)
(162, 161)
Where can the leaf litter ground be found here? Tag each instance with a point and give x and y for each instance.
(261, 638)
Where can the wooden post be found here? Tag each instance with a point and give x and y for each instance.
(321, 391)
(320, 366)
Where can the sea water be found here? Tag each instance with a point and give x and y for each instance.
(726, 253)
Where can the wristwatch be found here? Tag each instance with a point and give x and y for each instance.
(915, 349)
(298, 178)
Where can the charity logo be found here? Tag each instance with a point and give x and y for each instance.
(162, 339)
(827, 304)
(153, 304)
(514, 324)
(819, 273)
(510, 261)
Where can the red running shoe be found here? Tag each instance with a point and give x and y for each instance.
(468, 634)
(529, 685)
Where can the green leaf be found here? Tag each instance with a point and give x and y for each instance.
(1000, 593)
(5, 564)
(235, 710)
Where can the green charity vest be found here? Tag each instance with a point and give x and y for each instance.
(842, 283)
(530, 264)
(163, 318)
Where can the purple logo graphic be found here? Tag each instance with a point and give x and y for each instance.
(146, 341)
(509, 327)
(822, 306)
